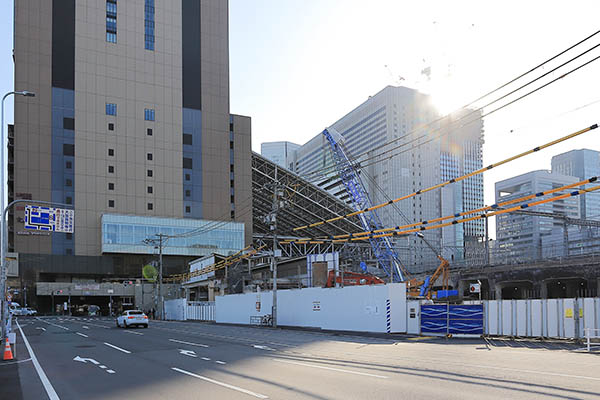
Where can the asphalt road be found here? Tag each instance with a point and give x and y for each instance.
(92, 359)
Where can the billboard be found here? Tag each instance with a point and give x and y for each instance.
(49, 219)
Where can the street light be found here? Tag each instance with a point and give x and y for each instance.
(3, 236)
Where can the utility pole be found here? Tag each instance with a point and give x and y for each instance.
(159, 298)
(273, 225)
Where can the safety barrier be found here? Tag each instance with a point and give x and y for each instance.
(589, 335)
(200, 311)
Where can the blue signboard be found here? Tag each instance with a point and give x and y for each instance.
(49, 219)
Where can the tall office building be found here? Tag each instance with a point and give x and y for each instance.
(520, 238)
(131, 126)
(583, 164)
(400, 153)
(281, 153)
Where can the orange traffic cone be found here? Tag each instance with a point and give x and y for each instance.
(7, 351)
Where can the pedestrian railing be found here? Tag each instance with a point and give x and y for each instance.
(590, 334)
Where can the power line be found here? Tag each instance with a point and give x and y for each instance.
(330, 169)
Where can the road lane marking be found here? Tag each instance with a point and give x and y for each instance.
(39, 327)
(135, 333)
(228, 386)
(81, 334)
(56, 325)
(85, 327)
(117, 348)
(205, 358)
(110, 371)
(189, 353)
(221, 362)
(190, 343)
(102, 366)
(47, 385)
(85, 360)
(256, 346)
(330, 368)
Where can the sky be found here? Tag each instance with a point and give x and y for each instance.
(297, 66)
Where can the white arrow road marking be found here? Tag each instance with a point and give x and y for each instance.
(117, 348)
(81, 334)
(258, 395)
(329, 368)
(85, 360)
(189, 353)
(206, 358)
(190, 343)
(39, 327)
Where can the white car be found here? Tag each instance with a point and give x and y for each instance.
(132, 318)
(29, 311)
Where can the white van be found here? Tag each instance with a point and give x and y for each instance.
(15, 308)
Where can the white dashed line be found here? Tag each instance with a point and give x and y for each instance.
(221, 362)
(117, 348)
(206, 358)
(191, 344)
(239, 389)
(135, 333)
(102, 366)
(81, 334)
(110, 371)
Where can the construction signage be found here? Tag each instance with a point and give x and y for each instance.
(475, 288)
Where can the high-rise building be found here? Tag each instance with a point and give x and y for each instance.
(520, 238)
(401, 151)
(281, 153)
(131, 126)
(583, 164)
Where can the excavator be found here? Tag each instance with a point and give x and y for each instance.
(352, 279)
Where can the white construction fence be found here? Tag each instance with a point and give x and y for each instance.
(384, 308)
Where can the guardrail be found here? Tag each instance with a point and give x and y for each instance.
(588, 338)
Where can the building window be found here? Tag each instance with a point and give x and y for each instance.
(187, 139)
(188, 209)
(149, 25)
(69, 252)
(111, 126)
(149, 114)
(149, 173)
(111, 186)
(68, 200)
(111, 21)
(111, 169)
(68, 182)
(150, 206)
(111, 203)
(69, 123)
(149, 132)
(188, 193)
(111, 109)
(68, 149)
(111, 152)
(69, 236)
(68, 165)
(187, 163)
(149, 156)
(187, 177)
(150, 190)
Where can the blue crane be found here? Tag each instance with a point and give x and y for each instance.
(387, 258)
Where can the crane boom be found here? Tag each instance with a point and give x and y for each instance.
(387, 258)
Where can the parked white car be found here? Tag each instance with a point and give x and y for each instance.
(132, 318)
